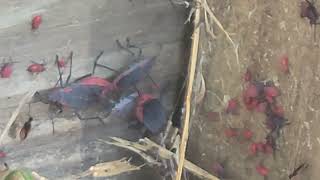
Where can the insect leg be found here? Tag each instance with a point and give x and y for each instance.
(149, 77)
(93, 69)
(135, 87)
(129, 45)
(52, 122)
(107, 67)
(38, 97)
(124, 48)
(96, 60)
(89, 118)
(70, 69)
(59, 71)
(84, 76)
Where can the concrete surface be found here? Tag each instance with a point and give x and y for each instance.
(85, 27)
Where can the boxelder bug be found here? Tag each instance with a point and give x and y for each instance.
(80, 94)
(148, 109)
(135, 72)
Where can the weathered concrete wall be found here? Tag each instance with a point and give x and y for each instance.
(85, 27)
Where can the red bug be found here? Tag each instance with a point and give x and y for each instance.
(231, 132)
(36, 67)
(261, 107)
(61, 63)
(250, 103)
(253, 149)
(270, 93)
(256, 147)
(6, 70)
(247, 134)
(278, 110)
(251, 91)
(267, 148)
(36, 21)
(262, 170)
(284, 64)
(233, 106)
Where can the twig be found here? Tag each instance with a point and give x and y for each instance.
(112, 168)
(209, 31)
(135, 147)
(191, 75)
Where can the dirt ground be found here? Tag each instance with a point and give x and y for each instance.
(265, 31)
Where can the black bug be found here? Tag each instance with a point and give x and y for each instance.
(308, 10)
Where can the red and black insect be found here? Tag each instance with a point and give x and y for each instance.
(82, 92)
(150, 112)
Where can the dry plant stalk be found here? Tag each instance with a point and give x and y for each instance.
(191, 76)
(112, 168)
(147, 146)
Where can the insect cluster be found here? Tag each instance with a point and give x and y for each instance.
(260, 97)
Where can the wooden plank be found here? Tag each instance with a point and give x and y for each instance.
(86, 28)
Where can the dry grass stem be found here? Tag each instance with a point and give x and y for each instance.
(112, 168)
(146, 146)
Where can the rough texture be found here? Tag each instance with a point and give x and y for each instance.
(86, 28)
(265, 31)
